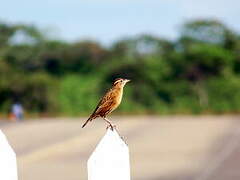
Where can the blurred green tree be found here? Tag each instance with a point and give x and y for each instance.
(54, 76)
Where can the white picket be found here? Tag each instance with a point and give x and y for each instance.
(110, 159)
(8, 164)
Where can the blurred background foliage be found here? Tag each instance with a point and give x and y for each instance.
(197, 73)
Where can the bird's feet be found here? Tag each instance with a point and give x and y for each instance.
(111, 126)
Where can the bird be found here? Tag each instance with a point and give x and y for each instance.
(109, 102)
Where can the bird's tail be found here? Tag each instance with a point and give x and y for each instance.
(89, 119)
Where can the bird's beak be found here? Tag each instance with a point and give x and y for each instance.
(127, 80)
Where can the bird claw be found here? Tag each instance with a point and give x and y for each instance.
(112, 127)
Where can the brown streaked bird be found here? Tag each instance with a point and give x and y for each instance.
(109, 102)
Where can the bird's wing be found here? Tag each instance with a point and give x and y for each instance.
(105, 103)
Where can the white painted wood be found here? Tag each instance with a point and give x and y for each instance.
(110, 159)
(8, 165)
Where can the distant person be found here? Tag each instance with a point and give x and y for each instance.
(17, 111)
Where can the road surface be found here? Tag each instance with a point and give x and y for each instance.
(161, 148)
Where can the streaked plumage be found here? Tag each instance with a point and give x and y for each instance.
(109, 102)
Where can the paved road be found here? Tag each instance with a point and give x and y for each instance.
(161, 148)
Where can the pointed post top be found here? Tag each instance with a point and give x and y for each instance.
(110, 159)
(8, 164)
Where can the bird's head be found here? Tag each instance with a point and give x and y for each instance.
(120, 82)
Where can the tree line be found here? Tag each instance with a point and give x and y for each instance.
(196, 73)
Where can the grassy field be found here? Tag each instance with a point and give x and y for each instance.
(161, 148)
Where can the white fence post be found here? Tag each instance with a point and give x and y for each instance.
(8, 164)
(110, 159)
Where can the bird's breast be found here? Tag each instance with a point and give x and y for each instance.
(118, 96)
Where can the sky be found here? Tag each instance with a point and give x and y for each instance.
(109, 20)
